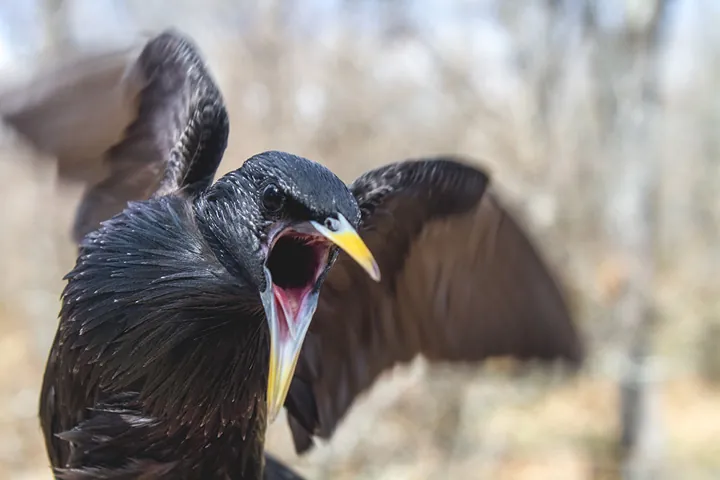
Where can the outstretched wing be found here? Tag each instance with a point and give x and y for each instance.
(461, 281)
(130, 126)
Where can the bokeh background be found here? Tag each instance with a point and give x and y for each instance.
(600, 122)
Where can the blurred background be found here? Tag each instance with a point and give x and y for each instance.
(600, 122)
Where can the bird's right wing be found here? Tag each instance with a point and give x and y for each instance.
(461, 281)
(131, 126)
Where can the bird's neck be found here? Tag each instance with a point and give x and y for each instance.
(233, 241)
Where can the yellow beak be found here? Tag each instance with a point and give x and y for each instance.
(286, 340)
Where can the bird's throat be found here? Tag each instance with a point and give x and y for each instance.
(289, 303)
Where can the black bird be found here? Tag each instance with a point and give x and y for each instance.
(186, 321)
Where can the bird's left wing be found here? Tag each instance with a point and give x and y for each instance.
(130, 126)
(461, 281)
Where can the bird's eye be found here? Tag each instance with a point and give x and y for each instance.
(332, 224)
(272, 199)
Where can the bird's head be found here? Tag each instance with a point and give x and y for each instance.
(278, 221)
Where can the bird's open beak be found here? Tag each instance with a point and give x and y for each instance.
(289, 326)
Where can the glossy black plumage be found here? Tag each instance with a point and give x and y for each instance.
(160, 360)
(171, 285)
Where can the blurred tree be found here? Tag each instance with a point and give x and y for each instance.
(58, 38)
(626, 63)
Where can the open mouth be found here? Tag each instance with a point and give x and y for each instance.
(296, 257)
(295, 261)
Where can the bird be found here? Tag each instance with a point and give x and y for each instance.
(198, 308)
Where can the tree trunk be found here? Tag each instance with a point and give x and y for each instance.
(628, 74)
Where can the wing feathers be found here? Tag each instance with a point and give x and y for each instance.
(131, 126)
(461, 282)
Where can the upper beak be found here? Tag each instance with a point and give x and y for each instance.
(341, 233)
(286, 340)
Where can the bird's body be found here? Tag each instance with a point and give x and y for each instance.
(187, 315)
(174, 283)
(162, 416)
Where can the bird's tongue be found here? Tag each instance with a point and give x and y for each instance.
(288, 303)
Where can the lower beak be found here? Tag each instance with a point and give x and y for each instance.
(287, 333)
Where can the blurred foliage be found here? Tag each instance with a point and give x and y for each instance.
(565, 102)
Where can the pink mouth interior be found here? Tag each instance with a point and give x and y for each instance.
(289, 301)
(295, 262)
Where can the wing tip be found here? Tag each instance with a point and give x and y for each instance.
(171, 46)
(556, 307)
(302, 438)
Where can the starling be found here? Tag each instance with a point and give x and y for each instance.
(196, 310)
